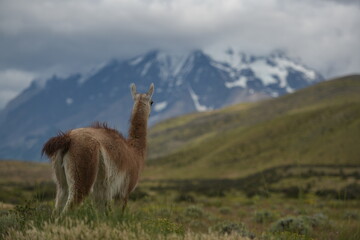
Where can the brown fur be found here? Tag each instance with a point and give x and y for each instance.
(99, 159)
(103, 125)
(61, 141)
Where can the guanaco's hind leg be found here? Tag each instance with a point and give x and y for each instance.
(81, 166)
(121, 201)
(101, 193)
(124, 204)
(61, 183)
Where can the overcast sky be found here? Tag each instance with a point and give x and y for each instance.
(41, 37)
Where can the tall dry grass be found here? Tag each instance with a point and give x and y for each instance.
(79, 229)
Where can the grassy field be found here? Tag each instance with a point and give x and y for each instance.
(287, 168)
(289, 202)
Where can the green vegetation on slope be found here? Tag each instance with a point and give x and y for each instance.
(176, 215)
(317, 125)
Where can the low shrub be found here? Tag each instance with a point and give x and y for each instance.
(225, 210)
(316, 220)
(227, 228)
(291, 224)
(351, 215)
(138, 194)
(263, 216)
(194, 211)
(184, 197)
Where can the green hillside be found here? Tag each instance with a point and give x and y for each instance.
(317, 125)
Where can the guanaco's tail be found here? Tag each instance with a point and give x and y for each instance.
(60, 142)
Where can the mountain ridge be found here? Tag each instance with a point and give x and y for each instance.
(184, 83)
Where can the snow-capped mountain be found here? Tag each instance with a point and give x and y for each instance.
(183, 83)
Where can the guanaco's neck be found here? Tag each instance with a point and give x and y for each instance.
(138, 129)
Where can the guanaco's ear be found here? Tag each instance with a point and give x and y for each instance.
(151, 90)
(133, 90)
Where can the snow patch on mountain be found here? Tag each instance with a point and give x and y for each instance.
(158, 107)
(198, 106)
(170, 65)
(87, 75)
(241, 82)
(289, 89)
(274, 94)
(136, 61)
(69, 101)
(188, 65)
(272, 70)
(221, 66)
(178, 63)
(285, 64)
(146, 68)
(266, 72)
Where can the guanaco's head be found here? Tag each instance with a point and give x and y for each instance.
(142, 101)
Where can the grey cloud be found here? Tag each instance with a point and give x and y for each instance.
(12, 82)
(48, 36)
(351, 2)
(5, 96)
